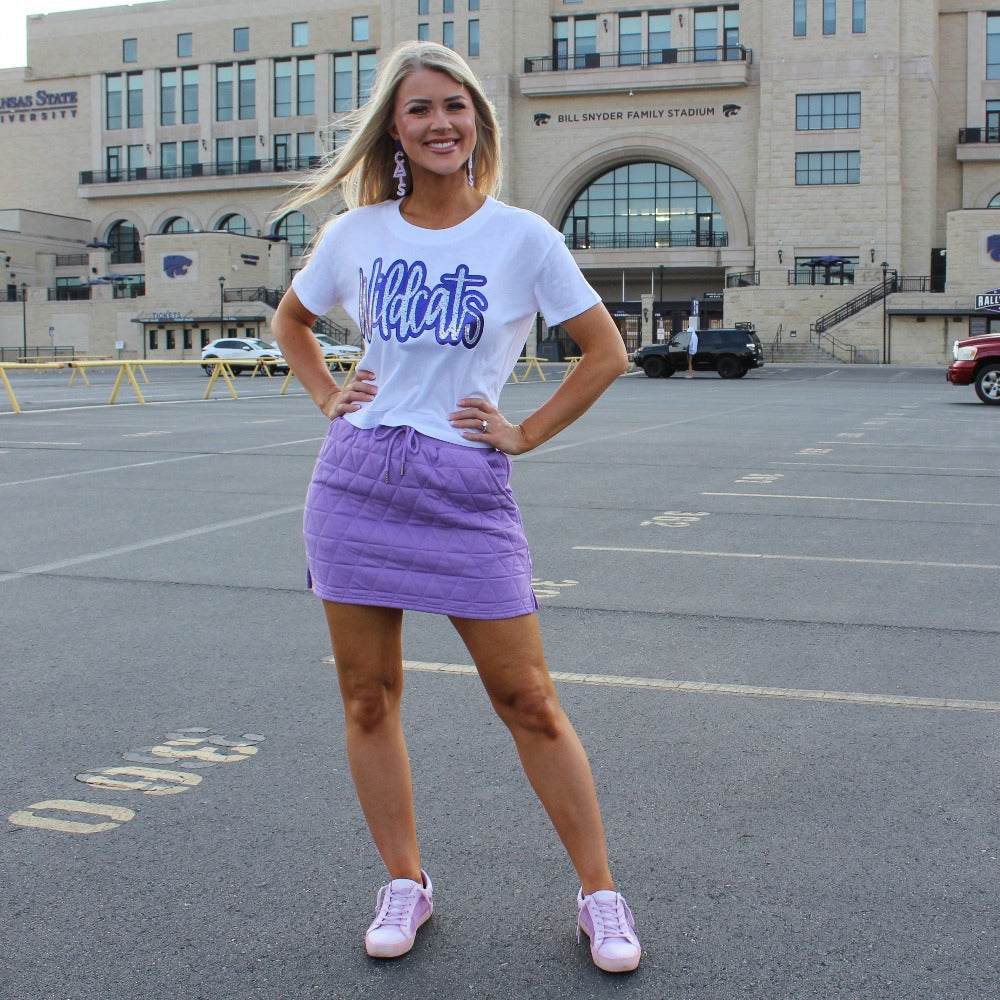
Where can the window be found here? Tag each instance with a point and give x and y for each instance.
(859, 18)
(992, 47)
(731, 33)
(223, 93)
(134, 83)
(300, 34)
(305, 150)
(189, 96)
(826, 111)
(659, 37)
(829, 17)
(423, 6)
(629, 39)
(189, 157)
(247, 146)
(224, 156)
(560, 44)
(342, 79)
(130, 50)
(134, 159)
(423, 32)
(305, 86)
(366, 75)
(359, 29)
(448, 34)
(168, 159)
(241, 39)
(175, 224)
(113, 162)
(585, 43)
(234, 224)
(706, 35)
(282, 88)
(644, 205)
(473, 4)
(799, 18)
(124, 240)
(282, 151)
(170, 340)
(113, 102)
(993, 121)
(185, 45)
(168, 97)
(473, 37)
(295, 228)
(153, 345)
(448, 6)
(248, 91)
(828, 168)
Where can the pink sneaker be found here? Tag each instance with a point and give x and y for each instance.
(605, 918)
(403, 906)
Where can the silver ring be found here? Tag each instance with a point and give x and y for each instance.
(486, 427)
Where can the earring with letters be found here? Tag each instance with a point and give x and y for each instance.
(472, 174)
(400, 172)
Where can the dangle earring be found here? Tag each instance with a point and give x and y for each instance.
(472, 176)
(400, 172)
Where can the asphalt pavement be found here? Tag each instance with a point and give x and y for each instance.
(770, 603)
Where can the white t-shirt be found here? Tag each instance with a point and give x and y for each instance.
(444, 312)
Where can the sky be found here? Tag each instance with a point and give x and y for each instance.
(12, 43)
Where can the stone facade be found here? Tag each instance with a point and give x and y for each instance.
(903, 177)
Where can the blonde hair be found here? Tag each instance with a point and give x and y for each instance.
(363, 168)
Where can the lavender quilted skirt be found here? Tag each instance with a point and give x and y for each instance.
(397, 519)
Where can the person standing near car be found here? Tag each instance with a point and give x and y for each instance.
(692, 348)
(410, 507)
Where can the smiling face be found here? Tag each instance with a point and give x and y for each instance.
(435, 121)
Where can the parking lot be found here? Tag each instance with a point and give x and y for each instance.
(771, 604)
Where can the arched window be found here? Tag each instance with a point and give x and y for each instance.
(124, 240)
(644, 205)
(234, 223)
(176, 224)
(295, 228)
(994, 201)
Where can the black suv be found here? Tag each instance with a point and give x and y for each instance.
(731, 353)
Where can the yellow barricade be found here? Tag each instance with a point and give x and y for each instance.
(22, 366)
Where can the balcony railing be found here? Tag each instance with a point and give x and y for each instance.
(976, 133)
(650, 57)
(281, 165)
(645, 241)
(743, 279)
(71, 260)
(68, 293)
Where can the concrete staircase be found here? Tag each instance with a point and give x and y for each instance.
(795, 351)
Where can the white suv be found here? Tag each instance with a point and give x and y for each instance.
(242, 355)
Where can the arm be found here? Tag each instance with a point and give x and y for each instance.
(292, 326)
(603, 359)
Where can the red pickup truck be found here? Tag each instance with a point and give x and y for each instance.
(977, 361)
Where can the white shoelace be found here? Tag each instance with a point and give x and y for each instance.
(395, 907)
(608, 916)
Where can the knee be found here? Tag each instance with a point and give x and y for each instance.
(533, 710)
(367, 707)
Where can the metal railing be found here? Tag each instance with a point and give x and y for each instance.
(645, 241)
(867, 298)
(976, 133)
(648, 57)
(55, 353)
(742, 279)
(272, 296)
(842, 350)
(72, 260)
(279, 165)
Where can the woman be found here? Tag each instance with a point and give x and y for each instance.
(409, 505)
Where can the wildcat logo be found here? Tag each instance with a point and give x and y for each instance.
(176, 266)
(542, 118)
(993, 246)
(731, 110)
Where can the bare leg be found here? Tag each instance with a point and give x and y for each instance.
(367, 646)
(508, 655)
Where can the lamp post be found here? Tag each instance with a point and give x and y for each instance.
(24, 320)
(222, 307)
(885, 302)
